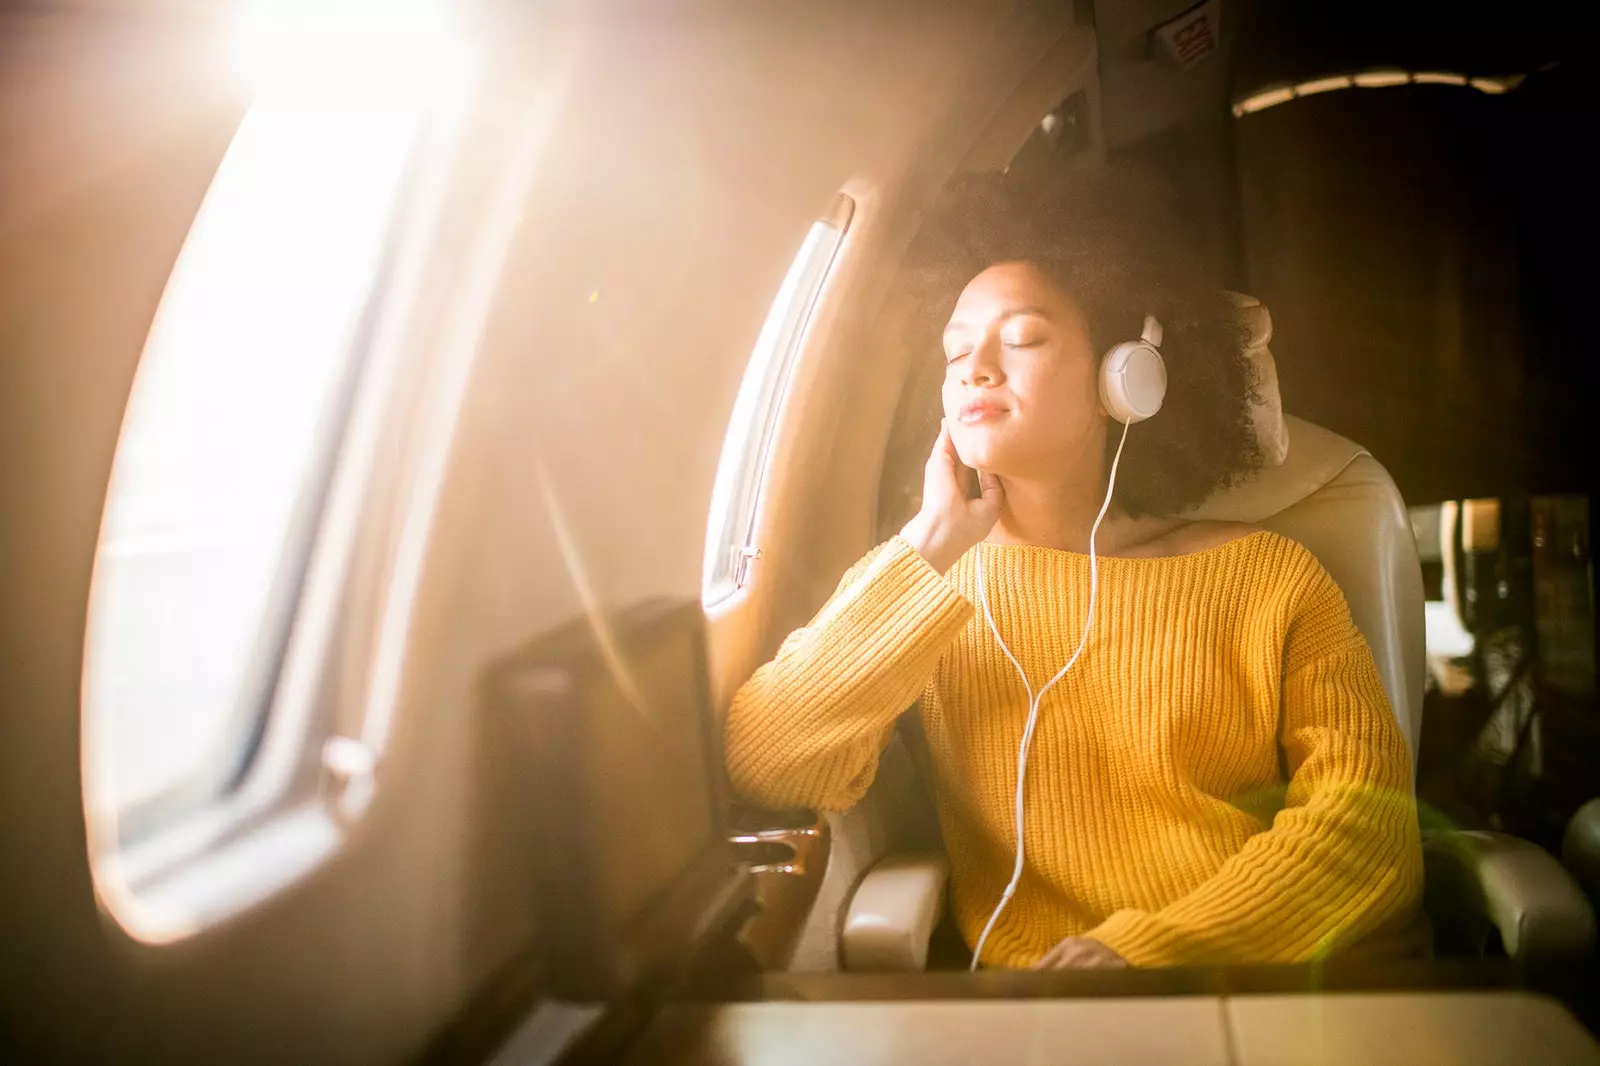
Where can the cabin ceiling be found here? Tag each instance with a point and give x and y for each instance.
(1262, 44)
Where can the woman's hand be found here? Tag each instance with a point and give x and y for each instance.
(951, 521)
(1081, 953)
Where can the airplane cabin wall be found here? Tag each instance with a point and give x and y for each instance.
(685, 163)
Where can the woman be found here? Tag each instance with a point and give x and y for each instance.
(1218, 778)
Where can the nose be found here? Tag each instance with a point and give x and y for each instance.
(983, 368)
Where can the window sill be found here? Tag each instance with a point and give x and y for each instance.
(222, 881)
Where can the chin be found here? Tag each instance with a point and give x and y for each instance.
(977, 447)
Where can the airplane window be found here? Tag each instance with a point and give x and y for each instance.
(226, 445)
(746, 448)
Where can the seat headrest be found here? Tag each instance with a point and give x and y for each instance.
(1267, 413)
(1319, 456)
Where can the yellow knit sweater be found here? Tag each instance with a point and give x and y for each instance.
(1219, 780)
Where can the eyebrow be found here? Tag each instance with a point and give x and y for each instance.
(1017, 312)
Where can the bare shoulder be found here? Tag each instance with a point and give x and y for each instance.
(1201, 535)
(1158, 538)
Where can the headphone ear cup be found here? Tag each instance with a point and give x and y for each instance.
(1133, 381)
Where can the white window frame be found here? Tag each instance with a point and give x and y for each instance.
(753, 427)
(280, 820)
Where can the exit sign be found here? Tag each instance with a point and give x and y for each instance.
(1190, 38)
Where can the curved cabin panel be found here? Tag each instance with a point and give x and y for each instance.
(627, 192)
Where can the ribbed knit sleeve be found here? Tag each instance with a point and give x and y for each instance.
(808, 727)
(1342, 857)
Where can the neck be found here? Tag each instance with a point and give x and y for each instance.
(1054, 508)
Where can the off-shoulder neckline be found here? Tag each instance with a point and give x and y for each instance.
(987, 547)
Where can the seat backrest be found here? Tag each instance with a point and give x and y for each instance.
(1333, 497)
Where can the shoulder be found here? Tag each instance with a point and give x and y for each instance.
(1286, 564)
(1290, 591)
(1154, 538)
(1205, 534)
(1277, 569)
(1190, 538)
(1317, 615)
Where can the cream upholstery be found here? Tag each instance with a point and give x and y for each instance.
(1580, 847)
(1338, 501)
(1480, 879)
(1268, 412)
(892, 914)
(1330, 495)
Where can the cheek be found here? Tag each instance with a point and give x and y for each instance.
(960, 435)
(950, 397)
(1063, 396)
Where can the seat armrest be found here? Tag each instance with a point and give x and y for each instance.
(893, 912)
(1477, 879)
(1580, 847)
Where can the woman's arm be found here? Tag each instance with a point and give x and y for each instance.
(807, 728)
(1342, 858)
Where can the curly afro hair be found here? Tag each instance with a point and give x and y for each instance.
(1113, 247)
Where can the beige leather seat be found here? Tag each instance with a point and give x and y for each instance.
(1332, 496)
(1580, 847)
(1337, 500)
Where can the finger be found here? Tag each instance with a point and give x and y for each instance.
(1052, 958)
(966, 477)
(1100, 957)
(1064, 957)
(1086, 955)
(943, 456)
(989, 487)
(1102, 954)
(1115, 961)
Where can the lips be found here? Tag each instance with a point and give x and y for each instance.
(981, 411)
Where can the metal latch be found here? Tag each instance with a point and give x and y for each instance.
(741, 565)
(351, 766)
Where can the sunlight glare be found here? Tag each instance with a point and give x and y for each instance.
(346, 47)
(233, 418)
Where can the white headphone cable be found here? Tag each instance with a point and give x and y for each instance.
(1034, 699)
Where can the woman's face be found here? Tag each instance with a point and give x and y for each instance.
(1020, 385)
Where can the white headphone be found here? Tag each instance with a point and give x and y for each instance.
(1133, 382)
(1133, 378)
